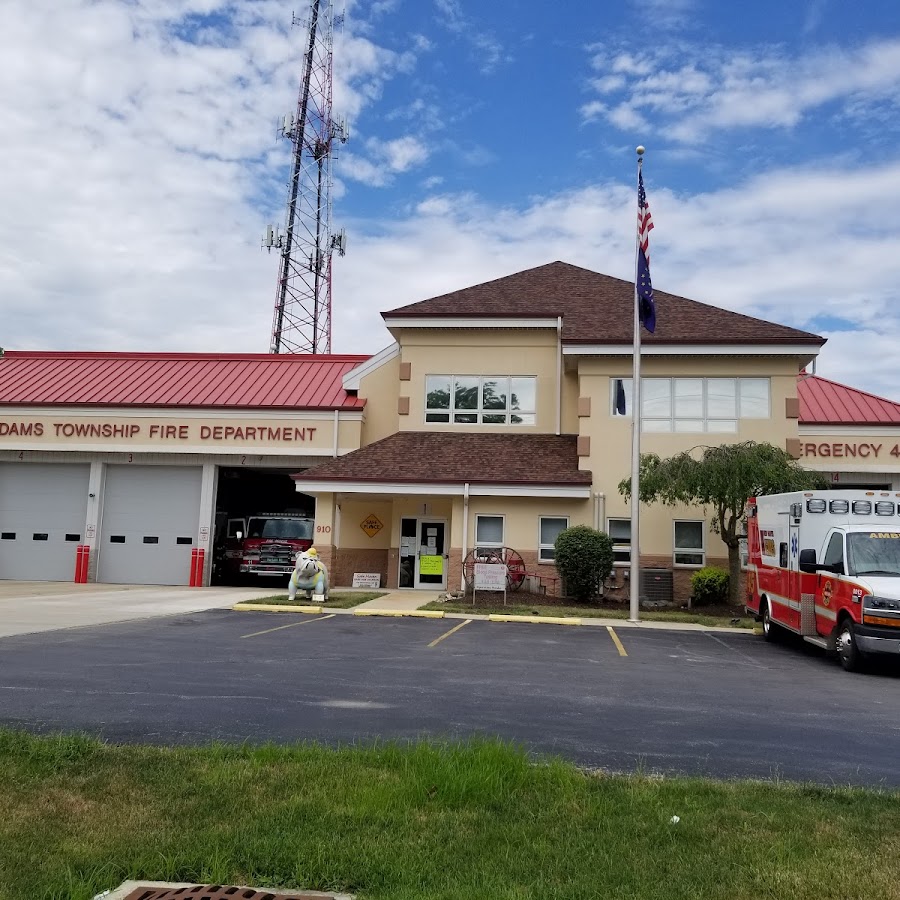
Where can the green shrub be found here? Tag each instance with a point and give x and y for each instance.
(584, 558)
(709, 585)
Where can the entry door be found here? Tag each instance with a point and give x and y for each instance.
(431, 559)
(43, 507)
(150, 521)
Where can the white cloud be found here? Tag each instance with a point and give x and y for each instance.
(666, 13)
(691, 92)
(133, 160)
(815, 13)
(386, 159)
(485, 45)
(791, 247)
(137, 141)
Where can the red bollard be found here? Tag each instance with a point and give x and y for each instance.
(193, 581)
(79, 552)
(82, 560)
(201, 559)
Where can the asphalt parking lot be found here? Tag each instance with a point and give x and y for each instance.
(689, 702)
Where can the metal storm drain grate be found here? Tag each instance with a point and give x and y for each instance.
(218, 892)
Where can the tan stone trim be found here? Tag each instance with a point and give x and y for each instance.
(792, 445)
(584, 445)
(403, 406)
(405, 371)
(792, 407)
(584, 406)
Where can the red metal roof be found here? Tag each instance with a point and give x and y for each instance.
(824, 402)
(232, 380)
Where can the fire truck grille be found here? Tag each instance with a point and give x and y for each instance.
(276, 554)
(217, 892)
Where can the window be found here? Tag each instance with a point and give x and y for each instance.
(620, 532)
(481, 400)
(689, 543)
(488, 532)
(693, 405)
(550, 528)
(834, 555)
(744, 552)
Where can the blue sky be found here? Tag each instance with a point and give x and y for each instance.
(139, 166)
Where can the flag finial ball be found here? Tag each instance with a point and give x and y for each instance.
(640, 151)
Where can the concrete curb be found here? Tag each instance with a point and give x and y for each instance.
(271, 607)
(587, 621)
(401, 613)
(537, 620)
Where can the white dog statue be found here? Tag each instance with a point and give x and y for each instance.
(310, 576)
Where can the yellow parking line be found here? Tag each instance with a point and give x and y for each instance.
(292, 625)
(616, 641)
(447, 634)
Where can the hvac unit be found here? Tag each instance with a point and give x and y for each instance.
(657, 585)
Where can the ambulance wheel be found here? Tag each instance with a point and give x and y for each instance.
(770, 629)
(848, 653)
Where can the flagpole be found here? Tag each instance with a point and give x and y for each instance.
(635, 579)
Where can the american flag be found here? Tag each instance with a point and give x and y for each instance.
(646, 308)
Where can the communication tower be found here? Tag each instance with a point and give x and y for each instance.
(302, 321)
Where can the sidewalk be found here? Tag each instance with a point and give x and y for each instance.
(407, 601)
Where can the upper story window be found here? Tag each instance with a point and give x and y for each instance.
(481, 399)
(693, 404)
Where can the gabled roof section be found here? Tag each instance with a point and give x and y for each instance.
(431, 457)
(598, 309)
(208, 380)
(824, 402)
(353, 377)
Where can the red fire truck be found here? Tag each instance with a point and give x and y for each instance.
(266, 544)
(826, 565)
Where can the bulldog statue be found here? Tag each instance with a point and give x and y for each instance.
(309, 575)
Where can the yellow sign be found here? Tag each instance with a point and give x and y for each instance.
(431, 565)
(371, 525)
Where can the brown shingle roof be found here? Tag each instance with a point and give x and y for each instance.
(597, 309)
(441, 457)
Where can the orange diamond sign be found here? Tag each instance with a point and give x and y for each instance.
(371, 525)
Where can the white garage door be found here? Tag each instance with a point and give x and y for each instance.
(149, 526)
(43, 507)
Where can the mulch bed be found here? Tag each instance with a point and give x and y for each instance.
(527, 598)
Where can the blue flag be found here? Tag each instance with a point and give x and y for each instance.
(646, 306)
(620, 397)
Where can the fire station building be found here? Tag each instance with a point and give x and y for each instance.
(493, 419)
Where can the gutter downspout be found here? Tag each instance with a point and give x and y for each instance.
(559, 362)
(465, 535)
(599, 511)
(337, 428)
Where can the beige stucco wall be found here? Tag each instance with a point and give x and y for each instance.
(380, 389)
(610, 436)
(526, 352)
(522, 517)
(353, 514)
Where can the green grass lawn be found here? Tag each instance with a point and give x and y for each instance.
(336, 600)
(424, 822)
(559, 609)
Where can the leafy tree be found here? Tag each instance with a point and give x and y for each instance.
(722, 478)
(584, 558)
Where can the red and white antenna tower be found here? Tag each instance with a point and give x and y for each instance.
(302, 322)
